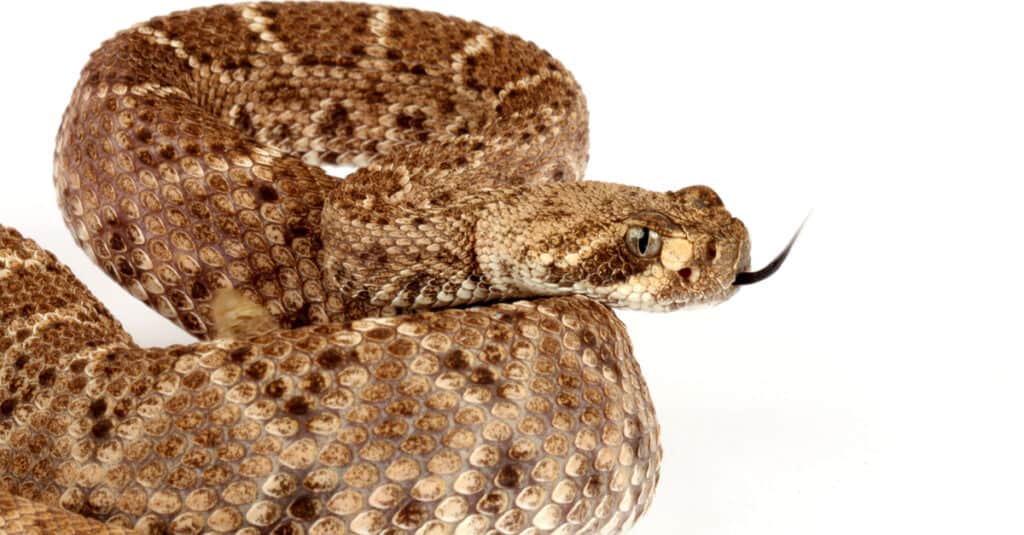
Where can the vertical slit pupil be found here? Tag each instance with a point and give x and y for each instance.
(644, 240)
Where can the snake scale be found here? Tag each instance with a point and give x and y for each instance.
(423, 348)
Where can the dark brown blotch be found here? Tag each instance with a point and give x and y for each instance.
(256, 370)
(297, 405)
(97, 408)
(593, 486)
(331, 358)
(47, 376)
(457, 359)
(192, 323)
(167, 152)
(243, 121)
(240, 354)
(482, 376)
(101, 429)
(300, 317)
(492, 503)
(124, 268)
(509, 476)
(275, 388)
(304, 508)
(199, 291)
(314, 382)
(195, 380)
(412, 515)
(267, 193)
(588, 338)
(116, 243)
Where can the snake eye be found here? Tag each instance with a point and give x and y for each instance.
(643, 241)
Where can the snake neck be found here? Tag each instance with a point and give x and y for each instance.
(384, 256)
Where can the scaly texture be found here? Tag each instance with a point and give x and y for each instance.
(518, 416)
(331, 400)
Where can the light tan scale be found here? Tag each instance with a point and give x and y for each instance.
(424, 347)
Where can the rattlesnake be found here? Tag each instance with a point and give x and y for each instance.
(328, 398)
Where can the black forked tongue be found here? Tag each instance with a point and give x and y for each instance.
(750, 277)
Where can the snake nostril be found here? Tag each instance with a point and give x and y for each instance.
(685, 274)
(712, 251)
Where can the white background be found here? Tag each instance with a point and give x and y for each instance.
(875, 384)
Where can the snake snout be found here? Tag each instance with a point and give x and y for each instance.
(704, 259)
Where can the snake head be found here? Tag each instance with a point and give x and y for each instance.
(683, 248)
(623, 246)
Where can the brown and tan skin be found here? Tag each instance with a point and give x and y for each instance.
(328, 397)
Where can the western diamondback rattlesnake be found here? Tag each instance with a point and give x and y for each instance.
(327, 398)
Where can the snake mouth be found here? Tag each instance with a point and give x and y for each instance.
(750, 277)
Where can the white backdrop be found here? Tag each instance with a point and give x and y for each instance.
(875, 384)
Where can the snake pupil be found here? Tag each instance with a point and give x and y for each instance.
(643, 241)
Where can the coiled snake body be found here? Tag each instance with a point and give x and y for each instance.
(327, 397)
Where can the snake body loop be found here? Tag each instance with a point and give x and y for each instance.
(356, 373)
